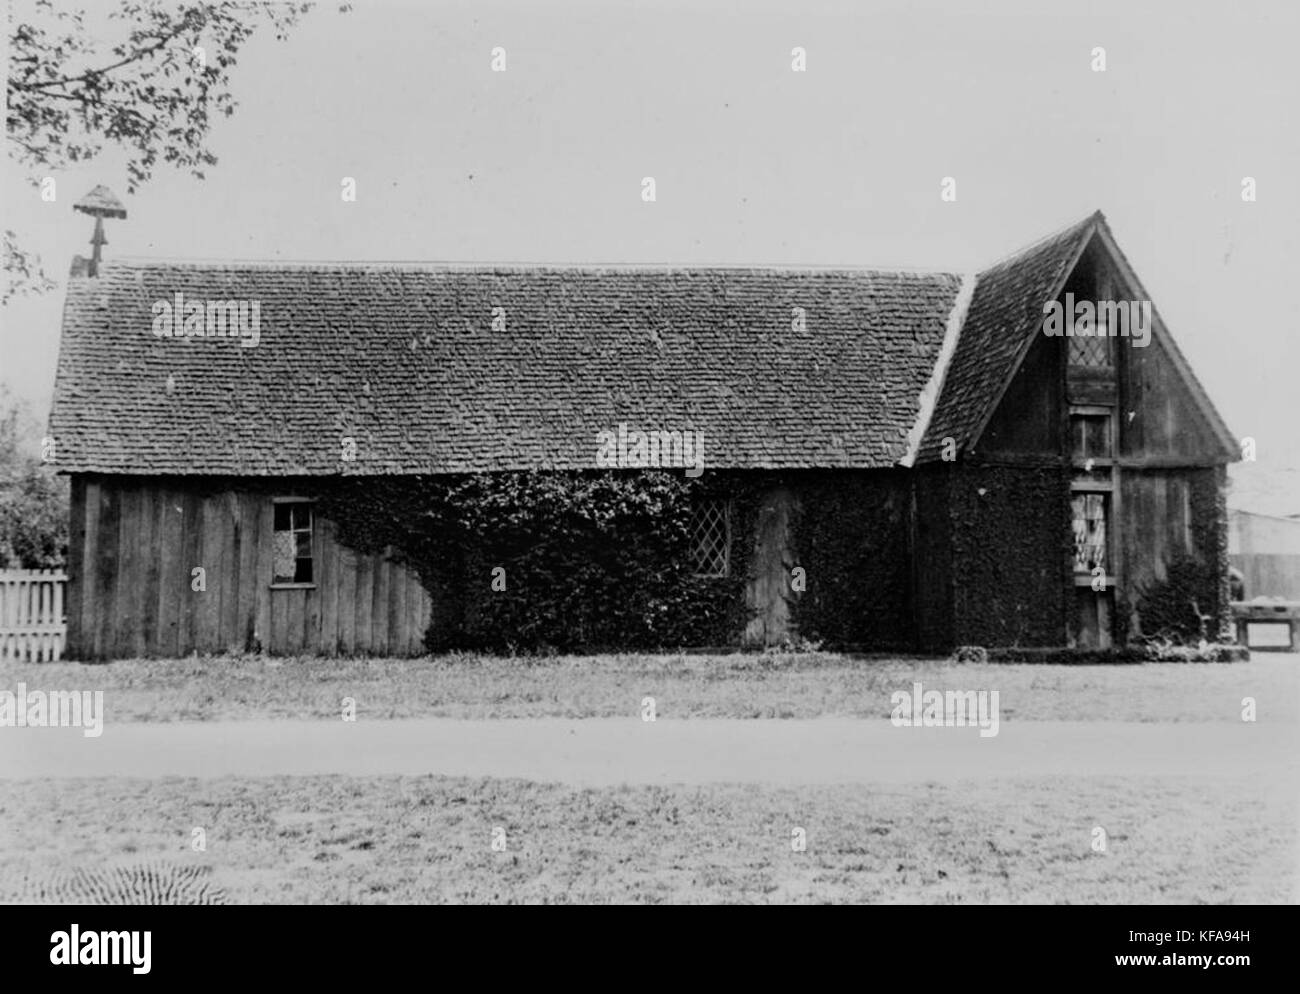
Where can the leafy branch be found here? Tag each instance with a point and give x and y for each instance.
(153, 93)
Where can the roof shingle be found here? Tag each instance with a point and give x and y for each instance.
(1005, 311)
(404, 361)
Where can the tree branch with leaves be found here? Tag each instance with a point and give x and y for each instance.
(153, 91)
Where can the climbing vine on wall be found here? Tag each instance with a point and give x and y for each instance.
(546, 560)
(850, 533)
(1011, 553)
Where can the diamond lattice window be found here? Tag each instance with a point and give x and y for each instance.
(711, 538)
(1090, 350)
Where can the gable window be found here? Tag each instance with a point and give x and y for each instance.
(292, 548)
(711, 538)
(1090, 350)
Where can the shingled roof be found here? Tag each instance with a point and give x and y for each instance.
(404, 361)
(1005, 312)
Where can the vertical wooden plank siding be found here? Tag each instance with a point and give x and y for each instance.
(768, 591)
(294, 604)
(379, 604)
(135, 543)
(171, 529)
(212, 557)
(407, 612)
(312, 608)
(327, 563)
(347, 596)
(311, 600)
(420, 613)
(246, 602)
(338, 569)
(124, 620)
(397, 620)
(278, 642)
(90, 587)
(76, 570)
(1154, 524)
(151, 552)
(106, 575)
(395, 608)
(192, 545)
(416, 604)
(262, 584)
(423, 614)
(362, 603)
(229, 630)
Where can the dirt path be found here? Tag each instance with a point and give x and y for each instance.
(598, 752)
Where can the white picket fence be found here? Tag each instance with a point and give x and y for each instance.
(32, 626)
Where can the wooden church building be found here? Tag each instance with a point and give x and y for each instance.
(880, 460)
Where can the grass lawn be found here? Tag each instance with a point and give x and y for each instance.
(429, 839)
(725, 686)
(336, 839)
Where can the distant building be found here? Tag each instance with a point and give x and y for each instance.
(1266, 548)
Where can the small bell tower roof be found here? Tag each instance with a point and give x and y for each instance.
(100, 202)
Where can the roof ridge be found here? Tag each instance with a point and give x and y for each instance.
(130, 262)
(1038, 243)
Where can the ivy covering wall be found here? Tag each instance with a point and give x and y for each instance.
(543, 560)
(933, 589)
(850, 534)
(585, 561)
(589, 561)
(1010, 554)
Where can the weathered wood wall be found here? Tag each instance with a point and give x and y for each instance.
(1164, 445)
(1166, 427)
(134, 544)
(1029, 418)
(1155, 525)
(769, 594)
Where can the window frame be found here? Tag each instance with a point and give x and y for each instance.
(1105, 485)
(1084, 577)
(1109, 349)
(726, 505)
(277, 502)
(1104, 414)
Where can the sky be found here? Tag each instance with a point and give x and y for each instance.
(754, 164)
